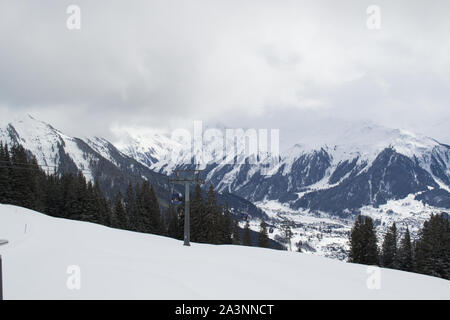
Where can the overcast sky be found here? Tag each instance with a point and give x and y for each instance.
(299, 66)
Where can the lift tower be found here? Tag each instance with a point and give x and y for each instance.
(186, 178)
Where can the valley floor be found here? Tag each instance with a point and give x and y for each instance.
(328, 235)
(44, 255)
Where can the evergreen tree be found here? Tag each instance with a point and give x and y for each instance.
(363, 242)
(20, 177)
(173, 228)
(197, 216)
(226, 226)
(148, 211)
(405, 253)
(433, 247)
(299, 246)
(53, 196)
(211, 221)
(236, 233)
(156, 222)
(263, 237)
(388, 257)
(144, 205)
(356, 241)
(91, 210)
(5, 167)
(101, 205)
(38, 185)
(69, 206)
(119, 216)
(246, 238)
(371, 256)
(130, 207)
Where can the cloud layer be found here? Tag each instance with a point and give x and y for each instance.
(263, 63)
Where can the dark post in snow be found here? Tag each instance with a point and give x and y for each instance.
(2, 242)
(186, 177)
(1, 279)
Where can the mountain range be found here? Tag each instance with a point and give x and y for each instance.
(99, 160)
(364, 165)
(389, 174)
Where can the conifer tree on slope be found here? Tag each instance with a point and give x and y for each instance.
(53, 196)
(263, 237)
(20, 178)
(148, 211)
(236, 233)
(197, 213)
(211, 221)
(101, 205)
(173, 228)
(36, 183)
(91, 213)
(143, 202)
(156, 222)
(371, 254)
(226, 226)
(130, 207)
(405, 253)
(363, 242)
(69, 197)
(356, 241)
(120, 218)
(246, 238)
(81, 210)
(5, 167)
(433, 247)
(388, 257)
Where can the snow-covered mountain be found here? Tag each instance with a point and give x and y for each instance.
(390, 174)
(96, 158)
(365, 165)
(99, 160)
(116, 264)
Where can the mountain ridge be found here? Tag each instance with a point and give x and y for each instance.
(99, 160)
(308, 168)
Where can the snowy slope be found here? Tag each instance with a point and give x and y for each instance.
(46, 143)
(124, 265)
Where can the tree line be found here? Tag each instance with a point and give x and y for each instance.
(212, 223)
(24, 183)
(428, 254)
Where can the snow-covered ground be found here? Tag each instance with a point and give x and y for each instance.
(116, 264)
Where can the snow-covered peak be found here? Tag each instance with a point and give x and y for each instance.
(36, 136)
(365, 142)
(152, 148)
(44, 142)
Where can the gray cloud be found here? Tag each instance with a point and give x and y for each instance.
(279, 64)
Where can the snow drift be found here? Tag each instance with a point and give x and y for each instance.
(117, 264)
